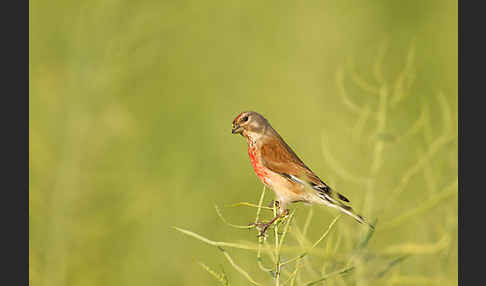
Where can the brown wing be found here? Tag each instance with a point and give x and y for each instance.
(280, 158)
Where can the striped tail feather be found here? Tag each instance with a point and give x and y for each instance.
(328, 198)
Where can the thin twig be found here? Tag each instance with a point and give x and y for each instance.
(238, 268)
(302, 255)
(230, 224)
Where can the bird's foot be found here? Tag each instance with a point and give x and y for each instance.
(257, 224)
(262, 227)
(274, 203)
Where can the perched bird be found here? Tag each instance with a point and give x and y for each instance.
(281, 170)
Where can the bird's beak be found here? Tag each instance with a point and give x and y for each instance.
(236, 129)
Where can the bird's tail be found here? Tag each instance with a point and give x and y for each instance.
(330, 201)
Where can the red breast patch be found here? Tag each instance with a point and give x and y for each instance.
(257, 166)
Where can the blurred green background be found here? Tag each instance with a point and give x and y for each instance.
(131, 104)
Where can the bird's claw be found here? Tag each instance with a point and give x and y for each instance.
(263, 230)
(274, 203)
(261, 226)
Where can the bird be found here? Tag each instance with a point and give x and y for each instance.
(281, 170)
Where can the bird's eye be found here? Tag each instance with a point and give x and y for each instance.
(245, 119)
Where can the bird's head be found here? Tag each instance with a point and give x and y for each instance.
(249, 122)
